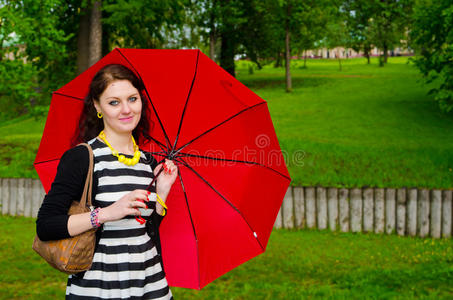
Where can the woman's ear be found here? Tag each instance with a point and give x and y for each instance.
(97, 106)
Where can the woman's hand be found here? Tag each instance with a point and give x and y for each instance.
(126, 205)
(165, 180)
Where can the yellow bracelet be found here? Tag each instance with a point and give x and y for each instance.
(159, 199)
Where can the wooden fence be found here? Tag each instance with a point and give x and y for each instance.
(414, 212)
(20, 197)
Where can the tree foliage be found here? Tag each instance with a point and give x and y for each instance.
(432, 34)
(33, 52)
(144, 24)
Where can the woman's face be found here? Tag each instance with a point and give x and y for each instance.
(121, 105)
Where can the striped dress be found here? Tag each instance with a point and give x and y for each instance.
(125, 264)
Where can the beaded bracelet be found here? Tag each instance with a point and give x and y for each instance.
(94, 218)
(162, 203)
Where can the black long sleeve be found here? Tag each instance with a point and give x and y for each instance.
(52, 222)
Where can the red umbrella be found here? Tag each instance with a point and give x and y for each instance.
(232, 175)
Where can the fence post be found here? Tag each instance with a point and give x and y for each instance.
(368, 209)
(1, 195)
(20, 196)
(321, 205)
(401, 211)
(13, 189)
(278, 220)
(287, 209)
(390, 216)
(311, 207)
(38, 195)
(379, 210)
(332, 202)
(436, 213)
(423, 212)
(28, 195)
(343, 198)
(446, 214)
(412, 212)
(299, 207)
(356, 210)
(5, 196)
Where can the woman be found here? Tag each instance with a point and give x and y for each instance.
(126, 263)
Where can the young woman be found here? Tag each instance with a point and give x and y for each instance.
(127, 262)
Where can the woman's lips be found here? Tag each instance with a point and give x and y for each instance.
(127, 119)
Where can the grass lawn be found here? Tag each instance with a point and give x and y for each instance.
(363, 126)
(296, 265)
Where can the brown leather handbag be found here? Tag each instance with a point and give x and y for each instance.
(74, 254)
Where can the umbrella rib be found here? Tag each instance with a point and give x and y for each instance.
(45, 161)
(191, 223)
(221, 123)
(167, 140)
(187, 101)
(226, 200)
(182, 154)
(61, 94)
(160, 153)
(161, 146)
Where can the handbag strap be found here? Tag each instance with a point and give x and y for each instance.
(87, 189)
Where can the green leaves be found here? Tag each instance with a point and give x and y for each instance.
(432, 35)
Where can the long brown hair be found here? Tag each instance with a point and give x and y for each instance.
(90, 125)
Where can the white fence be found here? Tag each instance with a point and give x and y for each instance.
(20, 197)
(414, 212)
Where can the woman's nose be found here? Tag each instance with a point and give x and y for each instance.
(125, 109)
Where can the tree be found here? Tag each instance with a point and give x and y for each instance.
(36, 58)
(358, 17)
(144, 24)
(432, 34)
(297, 25)
(388, 25)
(337, 37)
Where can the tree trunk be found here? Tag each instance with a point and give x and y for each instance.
(95, 43)
(83, 39)
(305, 60)
(212, 44)
(366, 51)
(386, 54)
(227, 52)
(278, 62)
(288, 62)
(288, 52)
(212, 33)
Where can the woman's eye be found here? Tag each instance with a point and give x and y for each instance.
(132, 99)
(113, 102)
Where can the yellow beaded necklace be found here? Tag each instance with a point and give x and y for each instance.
(121, 158)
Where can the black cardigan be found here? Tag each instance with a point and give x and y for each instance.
(52, 221)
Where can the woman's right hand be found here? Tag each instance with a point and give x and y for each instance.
(126, 205)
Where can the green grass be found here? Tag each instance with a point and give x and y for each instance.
(19, 142)
(363, 126)
(296, 265)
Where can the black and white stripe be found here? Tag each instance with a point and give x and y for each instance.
(126, 264)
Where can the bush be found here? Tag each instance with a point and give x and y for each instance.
(433, 35)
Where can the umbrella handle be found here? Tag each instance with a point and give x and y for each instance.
(154, 179)
(139, 218)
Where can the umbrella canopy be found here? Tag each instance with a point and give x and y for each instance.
(232, 175)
